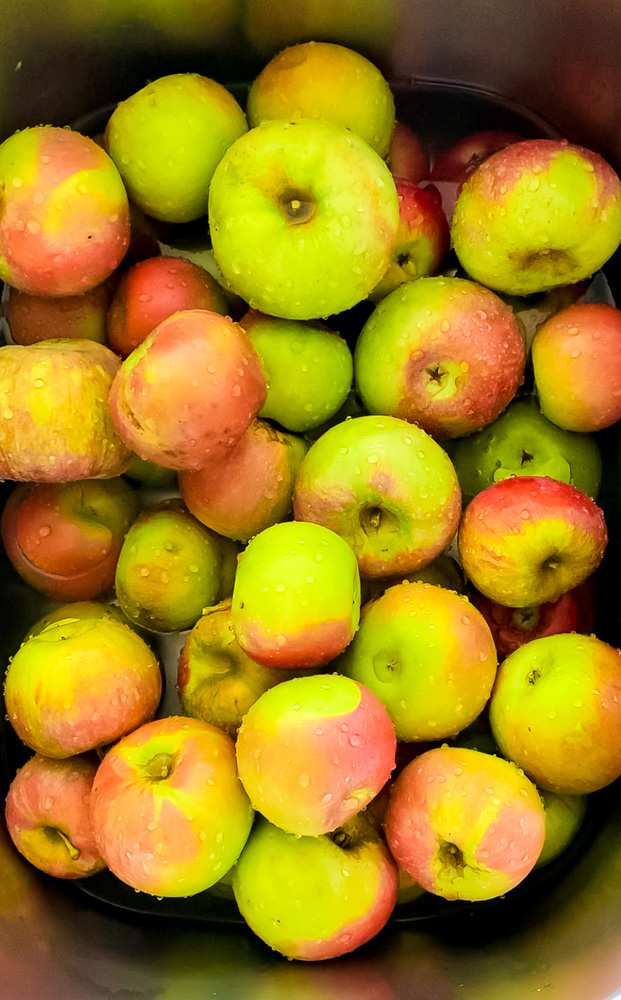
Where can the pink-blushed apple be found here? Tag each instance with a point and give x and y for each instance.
(188, 392)
(387, 487)
(526, 540)
(47, 814)
(32, 318)
(407, 157)
(169, 813)
(313, 751)
(556, 711)
(452, 168)
(80, 684)
(465, 824)
(443, 353)
(576, 357)
(428, 655)
(314, 898)
(564, 816)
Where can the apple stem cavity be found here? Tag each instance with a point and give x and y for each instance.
(54, 834)
(160, 767)
(298, 208)
(450, 855)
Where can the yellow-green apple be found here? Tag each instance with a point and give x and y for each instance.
(78, 610)
(64, 215)
(428, 655)
(322, 80)
(387, 487)
(313, 751)
(167, 139)
(64, 539)
(444, 571)
(452, 168)
(249, 489)
(188, 392)
(314, 898)
(443, 353)
(465, 824)
(48, 817)
(307, 366)
(407, 157)
(526, 540)
(576, 357)
(32, 318)
(564, 816)
(79, 684)
(169, 813)
(144, 473)
(537, 214)
(303, 215)
(56, 425)
(296, 597)
(556, 711)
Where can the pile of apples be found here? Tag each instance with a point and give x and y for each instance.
(377, 548)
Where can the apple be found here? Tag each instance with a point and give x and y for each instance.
(168, 811)
(166, 140)
(527, 540)
(48, 818)
(322, 80)
(303, 215)
(533, 310)
(80, 684)
(576, 359)
(443, 353)
(32, 318)
(465, 824)
(387, 487)
(64, 215)
(407, 158)
(556, 711)
(537, 214)
(78, 610)
(453, 168)
(141, 472)
(564, 816)
(443, 571)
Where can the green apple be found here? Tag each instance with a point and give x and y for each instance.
(564, 816)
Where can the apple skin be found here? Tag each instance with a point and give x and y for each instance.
(48, 817)
(453, 168)
(529, 539)
(564, 816)
(186, 395)
(407, 158)
(464, 824)
(444, 571)
(556, 711)
(64, 218)
(324, 213)
(313, 751)
(64, 539)
(314, 898)
(32, 318)
(168, 811)
(443, 353)
(576, 357)
(537, 214)
(387, 487)
(43, 387)
(80, 684)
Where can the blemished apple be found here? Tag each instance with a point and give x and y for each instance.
(407, 157)
(79, 684)
(452, 168)
(387, 487)
(527, 540)
(556, 711)
(428, 655)
(64, 216)
(32, 318)
(169, 813)
(323, 80)
(48, 818)
(576, 358)
(537, 214)
(564, 816)
(313, 898)
(167, 139)
(324, 214)
(465, 824)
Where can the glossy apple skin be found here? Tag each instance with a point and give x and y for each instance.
(428, 655)
(406, 156)
(346, 882)
(48, 816)
(453, 168)
(168, 811)
(80, 684)
(529, 539)
(443, 571)
(43, 389)
(64, 219)
(64, 539)
(32, 318)
(556, 710)
(537, 214)
(313, 751)
(387, 487)
(443, 353)
(564, 816)
(186, 394)
(576, 358)
(465, 824)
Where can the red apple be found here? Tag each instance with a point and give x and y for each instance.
(453, 168)
(36, 317)
(407, 158)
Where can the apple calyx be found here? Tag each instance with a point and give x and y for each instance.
(376, 520)
(160, 767)
(441, 379)
(451, 856)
